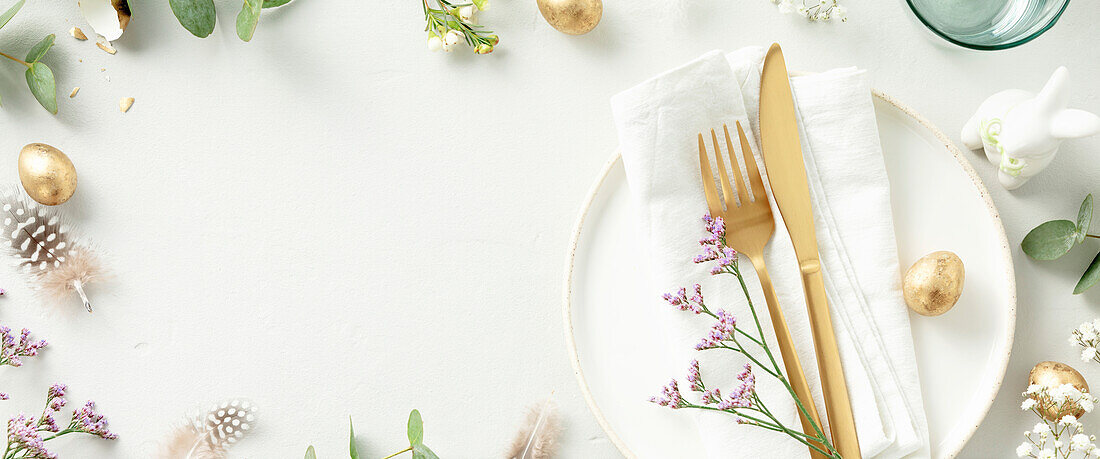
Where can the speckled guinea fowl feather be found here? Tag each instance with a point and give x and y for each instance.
(210, 434)
(46, 248)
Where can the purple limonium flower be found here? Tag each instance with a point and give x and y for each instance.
(714, 248)
(722, 330)
(682, 302)
(23, 434)
(27, 435)
(695, 378)
(670, 396)
(742, 396)
(12, 351)
(88, 420)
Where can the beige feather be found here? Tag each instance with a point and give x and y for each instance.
(538, 436)
(209, 435)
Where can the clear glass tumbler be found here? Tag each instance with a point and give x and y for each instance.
(988, 24)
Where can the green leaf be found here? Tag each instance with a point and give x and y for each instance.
(480, 4)
(248, 18)
(40, 49)
(40, 80)
(1050, 240)
(1091, 276)
(1084, 218)
(352, 449)
(10, 13)
(275, 3)
(197, 16)
(420, 451)
(310, 453)
(416, 429)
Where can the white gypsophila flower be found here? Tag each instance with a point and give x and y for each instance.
(1080, 442)
(804, 12)
(1086, 403)
(1041, 429)
(1069, 420)
(1046, 453)
(841, 13)
(787, 7)
(1089, 335)
(1086, 327)
(1073, 339)
(1024, 449)
(1033, 389)
(1028, 404)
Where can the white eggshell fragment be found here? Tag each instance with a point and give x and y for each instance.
(108, 18)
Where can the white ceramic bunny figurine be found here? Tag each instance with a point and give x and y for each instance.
(1021, 131)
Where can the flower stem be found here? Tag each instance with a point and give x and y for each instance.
(16, 59)
(410, 448)
(1092, 236)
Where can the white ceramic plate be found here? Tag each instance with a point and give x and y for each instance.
(939, 204)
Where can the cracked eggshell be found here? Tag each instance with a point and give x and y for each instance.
(108, 18)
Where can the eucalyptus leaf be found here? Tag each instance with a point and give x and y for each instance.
(416, 429)
(420, 451)
(10, 13)
(197, 16)
(248, 18)
(1084, 218)
(1091, 276)
(40, 80)
(1050, 240)
(310, 453)
(480, 4)
(275, 3)
(40, 49)
(352, 449)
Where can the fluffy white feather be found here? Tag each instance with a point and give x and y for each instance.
(538, 436)
(210, 434)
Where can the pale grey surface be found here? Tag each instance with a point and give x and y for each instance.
(314, 221)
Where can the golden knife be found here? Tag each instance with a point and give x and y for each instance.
(782, 152)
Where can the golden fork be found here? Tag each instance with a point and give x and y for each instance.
(749, 226)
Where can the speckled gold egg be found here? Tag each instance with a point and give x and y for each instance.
(1053, 374)
(574, 17)
(934, 283)
(47, 174)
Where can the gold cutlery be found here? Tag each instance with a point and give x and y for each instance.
(749, 226)
(782, 152)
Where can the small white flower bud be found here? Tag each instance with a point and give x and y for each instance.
(434, 43)
(466, 13)
(450, 39)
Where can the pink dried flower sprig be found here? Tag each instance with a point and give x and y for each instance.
(743, 401)
(13, 351)
(27, 436)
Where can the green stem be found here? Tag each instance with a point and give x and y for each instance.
(410, 448)
(16, 59)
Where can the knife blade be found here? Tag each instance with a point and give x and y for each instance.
(782, 152)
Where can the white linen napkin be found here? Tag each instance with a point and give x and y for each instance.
(657, 123)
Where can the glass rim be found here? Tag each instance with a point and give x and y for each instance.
(1012, 44)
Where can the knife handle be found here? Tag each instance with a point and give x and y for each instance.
(838, 408)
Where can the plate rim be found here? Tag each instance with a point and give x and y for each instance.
(956, 153)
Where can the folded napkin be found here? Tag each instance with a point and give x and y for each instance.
(657, 123)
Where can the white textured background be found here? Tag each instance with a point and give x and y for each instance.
(333, 221)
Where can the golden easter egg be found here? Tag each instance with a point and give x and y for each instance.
(934, 283)
(47, 174)
(574, 17)
(1053, 374)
